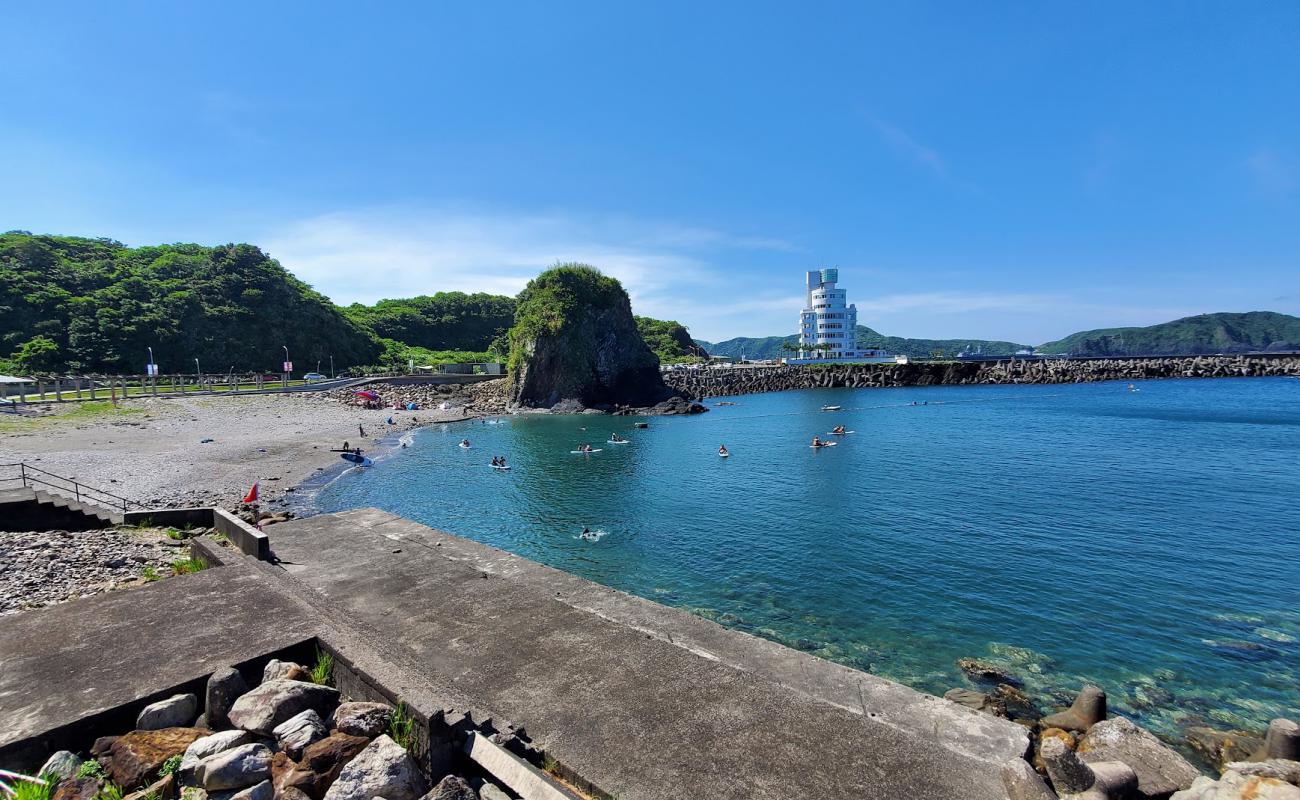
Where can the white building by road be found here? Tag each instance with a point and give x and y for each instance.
(828, 325)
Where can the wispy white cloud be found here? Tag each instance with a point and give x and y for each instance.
(1272, 171)
(903, 142)
(669, 270)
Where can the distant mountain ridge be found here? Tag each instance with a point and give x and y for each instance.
(1223, 332)
(770, 346)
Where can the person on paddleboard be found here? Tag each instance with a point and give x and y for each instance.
(816, 442)
(722, 450)
(838, 429)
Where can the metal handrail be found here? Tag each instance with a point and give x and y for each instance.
(77, 488)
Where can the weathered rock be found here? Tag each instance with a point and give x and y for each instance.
(1052, 733)
(275, 701)
(224, 687)
(1021, 782)
(177, 711)
(300, 730)
(291, 793)
(320, 765)
(258, 791)
(1088, 709)
(382, 769)
(135, 757)
(1235, 786)
(1160, 771)
(103, 747)
(285, 670)
(208, 746)
(62, 764)
(236, 768)
(986, 671)
(1220, 747)
(362, 719)
(452, 787)
(490, 791)
(76, 789)
(1280, 768)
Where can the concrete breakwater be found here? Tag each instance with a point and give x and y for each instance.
(697, 384)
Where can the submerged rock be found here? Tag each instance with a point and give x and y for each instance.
(986, 671)
(1221, 747)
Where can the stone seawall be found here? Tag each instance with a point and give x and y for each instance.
(697, 384)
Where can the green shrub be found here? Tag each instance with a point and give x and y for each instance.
(28, 790)
(150, 573)
(90, 769)
(170, 765)
(109, 791)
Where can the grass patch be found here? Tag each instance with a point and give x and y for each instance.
(323, 670)
(401, 728)
(172, 533)
(150, 574)
(109, 791)
(549, 765)
(41, 789)
(184, 566)
(220, 538)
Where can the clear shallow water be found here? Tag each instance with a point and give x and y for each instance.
(1148, 541)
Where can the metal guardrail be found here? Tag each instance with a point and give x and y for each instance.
(31, 477)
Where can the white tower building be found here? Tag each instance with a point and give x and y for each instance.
(828, 327)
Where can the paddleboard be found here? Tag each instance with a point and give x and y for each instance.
(499, 467)
(823, 444)
(362, 461)
(585, 452)
(841, 433)
(724, 455)
(611, 441)
(831, 408)
(463, 446)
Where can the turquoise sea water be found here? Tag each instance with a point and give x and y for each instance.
(1148, 541)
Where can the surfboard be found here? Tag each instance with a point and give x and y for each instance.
(842, 433)
(585, 452)
(361, 461)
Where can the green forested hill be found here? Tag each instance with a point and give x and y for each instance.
(75, 304)
(1204, 333)
(669, 339)
(770, 346)
(443, 321)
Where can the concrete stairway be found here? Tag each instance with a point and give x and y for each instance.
(37, 509)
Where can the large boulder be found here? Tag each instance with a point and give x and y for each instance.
(77, 789)
(284, 670)
(452, 787)
(61, 765)
(1221, 747)
(237, 768)
(1235, 786)
(134, 758)
(176, 711)
(319, 767)
(1160, 770)
(300, 730)
(224, 687)
(208, 746)
(384, 769)
(275, 701)
(362, 719)
(576, 345)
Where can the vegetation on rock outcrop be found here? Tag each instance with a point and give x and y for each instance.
(439, 322)
(574, 339)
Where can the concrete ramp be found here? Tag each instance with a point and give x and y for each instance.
(643, 701)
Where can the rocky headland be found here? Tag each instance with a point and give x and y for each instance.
(701, 383)
(575, 347)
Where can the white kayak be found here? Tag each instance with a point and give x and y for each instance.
(584, 452)
(823, 444)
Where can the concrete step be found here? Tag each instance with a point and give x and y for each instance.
(81, 506)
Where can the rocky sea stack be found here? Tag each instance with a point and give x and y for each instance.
(575, 346)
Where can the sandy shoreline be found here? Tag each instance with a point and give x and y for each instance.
(151, 451)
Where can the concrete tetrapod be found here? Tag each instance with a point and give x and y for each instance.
(1281, 741)
(1074, 780)
(1088, 709)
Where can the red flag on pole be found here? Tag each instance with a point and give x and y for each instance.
(251, 497)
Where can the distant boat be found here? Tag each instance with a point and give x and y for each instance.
(355, 458)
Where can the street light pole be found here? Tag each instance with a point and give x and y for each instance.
(286, 364)
(331, 367)
(197, 371)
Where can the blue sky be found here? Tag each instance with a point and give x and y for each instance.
(1014, 171)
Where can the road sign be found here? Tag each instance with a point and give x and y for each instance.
(288, 366)
(151, 369)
